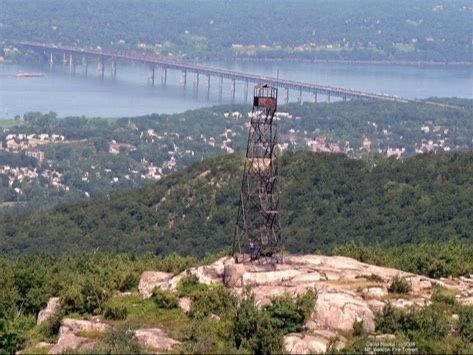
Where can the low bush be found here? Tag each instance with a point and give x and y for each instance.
(216, 300)
(359, 328)
(400, 285)
(129, 282)
(10, 340)
(254, 330)
(50, 327)
(165, 299)
(289, 314)
(444, 296)
(115, 313)
(465, 318)
(429, 322)
(120, 340)
(190, 286)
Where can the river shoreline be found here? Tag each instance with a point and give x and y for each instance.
(357, 62)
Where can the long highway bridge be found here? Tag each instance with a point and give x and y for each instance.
(73, 56)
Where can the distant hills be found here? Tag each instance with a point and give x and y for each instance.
(327, 200)
(363, 30)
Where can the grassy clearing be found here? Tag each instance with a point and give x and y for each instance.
(143, 313)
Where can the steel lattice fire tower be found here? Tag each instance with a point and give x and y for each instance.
(258, 229)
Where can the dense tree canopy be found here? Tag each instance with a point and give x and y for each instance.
(307, 29)
(327, 200)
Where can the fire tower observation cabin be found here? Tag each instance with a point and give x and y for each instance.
(258, 229)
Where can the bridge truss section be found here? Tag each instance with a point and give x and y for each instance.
(258, 229)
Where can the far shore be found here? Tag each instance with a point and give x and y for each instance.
(344, 61)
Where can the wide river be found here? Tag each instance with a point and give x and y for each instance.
(130, 94)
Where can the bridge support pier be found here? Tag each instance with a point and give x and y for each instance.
(114, 69)
(164, 75)
(151, 74)
(220, 91)
(344, 98)
(246, 91)
(101, 68)
(287, 95)
(208, 87)
(196, 79)
(233, 91)
(51, 61)
(300, 96)
(64, 58)
(315, 97)
(72, 65)
(85, 65)
(328, 97)
(184, 78)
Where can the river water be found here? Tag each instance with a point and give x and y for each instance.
(130, 94)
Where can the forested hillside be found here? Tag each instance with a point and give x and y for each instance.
(326, 29)
(327, 200)
(96, 156)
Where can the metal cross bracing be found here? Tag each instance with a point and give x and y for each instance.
(258, 230)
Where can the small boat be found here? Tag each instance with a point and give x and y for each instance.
(29, 75)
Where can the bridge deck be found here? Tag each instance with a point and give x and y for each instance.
(156, 60)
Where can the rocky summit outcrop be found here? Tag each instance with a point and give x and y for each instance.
(70, 335)
(150, 280)
(155, 339)
(348, 291)
(52, 307)
(318, 342)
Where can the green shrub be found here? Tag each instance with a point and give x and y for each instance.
(400, 285)
(86, 297)
(289, 314)
(431, 322)
(216, 300)
(190, 286)
(387, 320)
(120, 340)
(50, 327)
(209, 336)
(359, 328)
(165, 299)
(444, 296)
(115, 313)
(371, 277)
(465, 315)
(129, 282)
(254, 330)
(10, 340)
